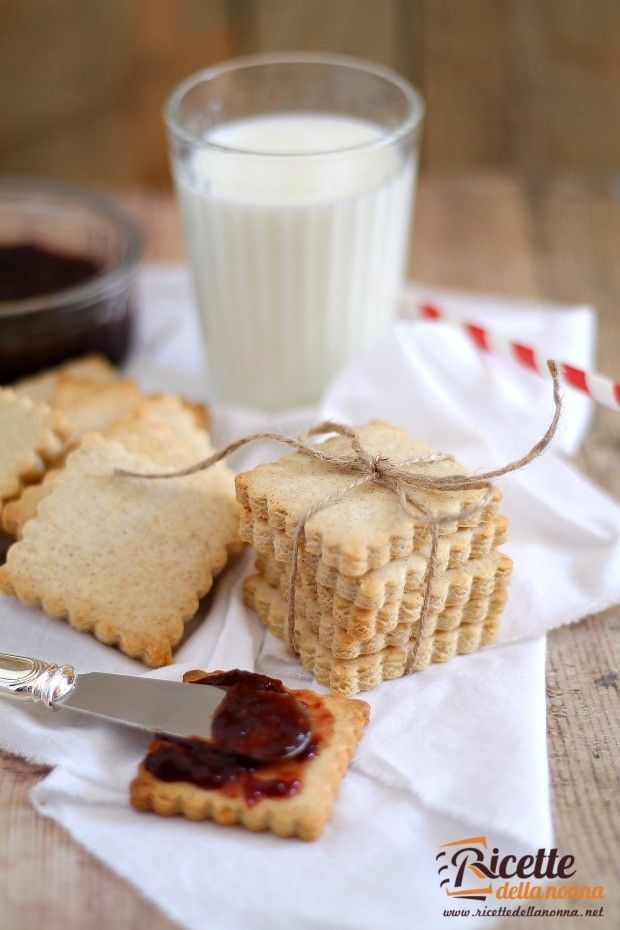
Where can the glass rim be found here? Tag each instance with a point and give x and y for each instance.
(100, 284)
(408, 125)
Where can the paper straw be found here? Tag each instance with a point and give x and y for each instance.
(602, 390)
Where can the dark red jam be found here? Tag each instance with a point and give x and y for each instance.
(238, 676)
(260, 723)
(209, 765)
(34, 339)
(30, 271)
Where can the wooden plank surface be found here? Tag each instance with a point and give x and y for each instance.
(521, 84)
(557, 240)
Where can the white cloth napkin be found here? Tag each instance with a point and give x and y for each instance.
(457, 750)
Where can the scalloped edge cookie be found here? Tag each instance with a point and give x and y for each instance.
(162, 426)
(367, 590)
(124, 558)
(367, 528)
(32, 437)
(92, 407)
(452, 591)
(304, 815)
(269, 603)
(94, 369)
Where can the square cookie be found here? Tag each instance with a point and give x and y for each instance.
(451, 591)
(94, 369)
(387, 583)
(367, 527)
(93, 407)
(126, 559)
(355, 669)
(337, 726)
(32, 436)
(164, 427)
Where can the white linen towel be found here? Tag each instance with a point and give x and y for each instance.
(456, 750)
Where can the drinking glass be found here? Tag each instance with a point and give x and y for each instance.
(295, 175)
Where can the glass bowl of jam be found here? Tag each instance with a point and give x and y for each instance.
(68, 264)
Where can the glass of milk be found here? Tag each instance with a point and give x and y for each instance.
(295, 174)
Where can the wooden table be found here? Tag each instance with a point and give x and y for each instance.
(490, 232)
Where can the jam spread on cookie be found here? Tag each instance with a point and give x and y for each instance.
(261, 724)
(258, 719)
(238, 676)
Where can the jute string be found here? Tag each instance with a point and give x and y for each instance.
(396, 477)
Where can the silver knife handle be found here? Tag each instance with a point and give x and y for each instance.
(34, 679)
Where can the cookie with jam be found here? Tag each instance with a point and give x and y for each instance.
(214, 780)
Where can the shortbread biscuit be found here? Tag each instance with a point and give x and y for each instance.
(388, 595)
(32, 436)
(311, 622)
(91, 407)
(16, 513)
(154, 418)
(303, 814)
(94, 369)
(350, 676)
(455, 596)
(347, 646)
(125, 558)
(182, 416)
(162, 427)
(367, 527)
(368, 589)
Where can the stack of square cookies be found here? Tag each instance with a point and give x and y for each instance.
(363, 564)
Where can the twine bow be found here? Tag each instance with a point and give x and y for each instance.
(396, 477)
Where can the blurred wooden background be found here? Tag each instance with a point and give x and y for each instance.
(526, 86)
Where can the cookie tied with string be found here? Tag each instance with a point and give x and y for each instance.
(366, 527)
(390, 576)
(368, 497)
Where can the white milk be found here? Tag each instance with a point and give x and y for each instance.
(296, 260)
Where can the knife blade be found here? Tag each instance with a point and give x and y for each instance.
(146, 703)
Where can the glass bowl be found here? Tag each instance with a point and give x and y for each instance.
(95, 315)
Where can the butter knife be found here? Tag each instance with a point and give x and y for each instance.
(169, 707)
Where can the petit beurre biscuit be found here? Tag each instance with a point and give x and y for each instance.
(92, 369)
(125, 558)
(367, 670)
(363, 563)
(453, 593)
(312, 622)
(395, 582)
(137, 423)
(471, 542)
(303, 814)
(32, 436)
(89, 396)
(90, 407)
(367, 527)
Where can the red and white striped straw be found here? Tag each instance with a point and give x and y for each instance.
(601, 389)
